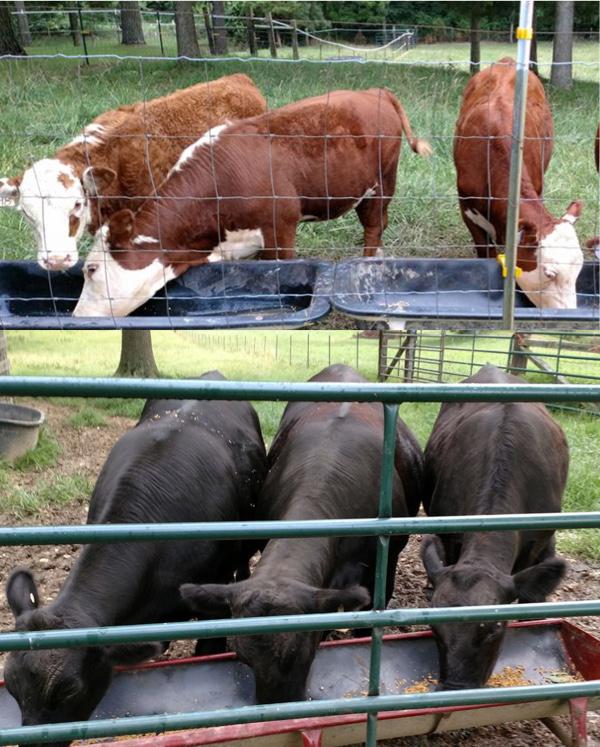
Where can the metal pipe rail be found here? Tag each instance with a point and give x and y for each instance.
(97, 533)
(279, 711)
(55, 386)
(382, 527)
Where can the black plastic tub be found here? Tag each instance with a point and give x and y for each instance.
(19, 430)
(218, 295)
(448, 289)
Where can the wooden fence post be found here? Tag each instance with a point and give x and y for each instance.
(295, 53)
(272, 47)
(209, 31)
(251, 33)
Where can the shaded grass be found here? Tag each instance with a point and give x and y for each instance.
(22, 502)
(44, 455)
(48, 102)
(87, 416)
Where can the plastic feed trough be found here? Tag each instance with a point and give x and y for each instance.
(447, 289)
(539, 653)
(19, 430)
(215, 295)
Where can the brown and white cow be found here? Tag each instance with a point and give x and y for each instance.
(243, 188)
(549, 256)
(123, 154)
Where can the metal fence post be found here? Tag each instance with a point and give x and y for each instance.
(160, 38)
(524, 34)
(390, 415)
(83, 39)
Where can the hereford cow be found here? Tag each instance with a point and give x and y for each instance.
(123, 154)
(549, 257)
(244, 187)
(325, 463)
(490, 458)
(185, 461)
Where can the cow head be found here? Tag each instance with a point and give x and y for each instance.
(55, 202)
(122, 271)
(468, 651)
(557, 260)
(281, 661)
(58, 685)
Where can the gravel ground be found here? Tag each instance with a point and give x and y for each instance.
(87, 452)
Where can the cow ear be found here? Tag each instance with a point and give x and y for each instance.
(97, 179)
(120, 228)
(573, 211)
(528, 234)
(9, 191)
(209, 599)
(536, 583)
(342, 600)
(433, 556)
(21, 592)
(133, 653)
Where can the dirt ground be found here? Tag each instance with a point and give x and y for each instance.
(50, 565)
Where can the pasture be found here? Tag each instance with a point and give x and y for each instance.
(48, 101)
(47, 477)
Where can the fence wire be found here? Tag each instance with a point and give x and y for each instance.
(425, 265)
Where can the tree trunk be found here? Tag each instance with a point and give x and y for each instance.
(74, 26)
(185, 30)
(23, 23)
(131, 23)
(9, 44)
(219, 30)
(562, 49)
(137, 356)
(475, 37)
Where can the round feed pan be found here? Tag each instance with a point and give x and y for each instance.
(19, 430)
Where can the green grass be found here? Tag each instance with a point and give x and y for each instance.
(44, 455)
(24, 502)
(266, 356)
(47, 102)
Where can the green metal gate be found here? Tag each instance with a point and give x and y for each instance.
(383, 527)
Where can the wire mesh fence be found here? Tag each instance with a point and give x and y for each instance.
(409, 216)
(451, 356)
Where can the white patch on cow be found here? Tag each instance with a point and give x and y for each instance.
(243, 244)
(479, 220)
(112, 290)
(93, 134)
(379, 252)
(559, 261)
(210, 137)
(49, 193)
(142, 239)
(369, 193)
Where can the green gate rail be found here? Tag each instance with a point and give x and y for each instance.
(382, 527)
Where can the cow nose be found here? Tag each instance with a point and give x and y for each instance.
(58, 263)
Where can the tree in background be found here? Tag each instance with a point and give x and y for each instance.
(137, 356)
(131, 23)
(23, 23)
(562, 48)
(219, 28)
(185, 30)
(9, 44)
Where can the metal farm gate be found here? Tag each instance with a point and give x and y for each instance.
(383, 527)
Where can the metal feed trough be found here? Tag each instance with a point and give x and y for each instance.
(356, 686)
(211, 296)
(538, 653)
(449, 289)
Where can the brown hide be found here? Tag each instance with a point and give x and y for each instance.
(144, 140)
(318, 156)
(482, 144)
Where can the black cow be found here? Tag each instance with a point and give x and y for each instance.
(490, 458)
(325, 463)
(185, 461)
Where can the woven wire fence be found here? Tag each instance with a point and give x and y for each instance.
(54, 94)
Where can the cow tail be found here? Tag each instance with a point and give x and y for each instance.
(418, 146)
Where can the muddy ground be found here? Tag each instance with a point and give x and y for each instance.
(85, 449)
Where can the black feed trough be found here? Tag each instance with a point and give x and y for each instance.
(536, 653)
(448, 289)
(211, 296)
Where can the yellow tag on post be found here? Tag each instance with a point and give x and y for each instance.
(524, 33)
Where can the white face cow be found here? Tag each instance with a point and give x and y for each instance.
(552, 285)
(109, 289)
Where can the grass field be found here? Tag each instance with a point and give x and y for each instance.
(253, 356)
(48, 101)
